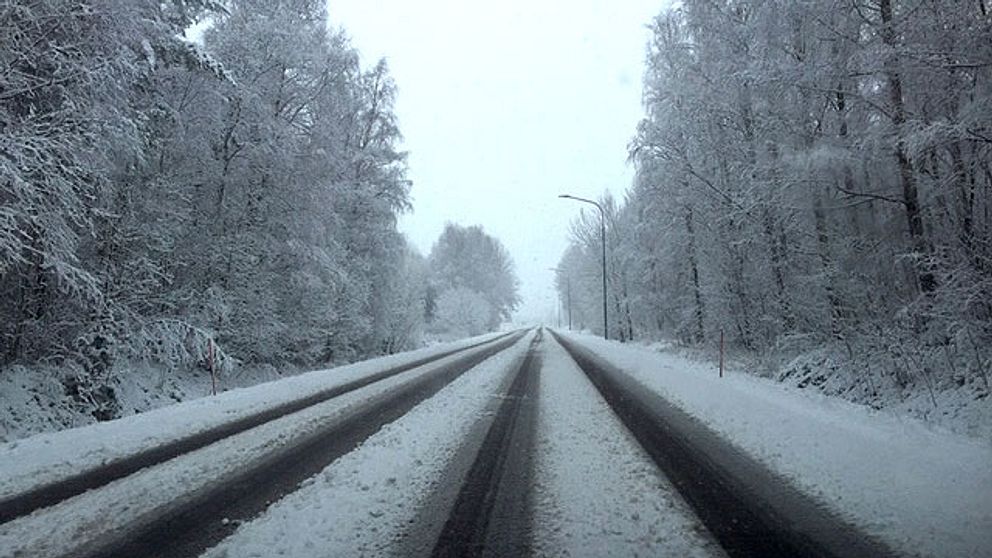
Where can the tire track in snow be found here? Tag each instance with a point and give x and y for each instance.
(365, 503)
(596, 491)
(249, 471)
(45, 495)
(750, 510)
(491, 515)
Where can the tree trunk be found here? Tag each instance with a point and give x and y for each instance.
(700, 333)
(910, 195)
(827, 265)
(848, 173)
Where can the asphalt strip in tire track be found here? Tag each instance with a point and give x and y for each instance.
(197, 525)
(751, 511)
(491, 514)
(52, 493)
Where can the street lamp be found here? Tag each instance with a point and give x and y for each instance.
(602, 232)
(568, 295)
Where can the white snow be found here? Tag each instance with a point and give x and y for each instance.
(597, 493)
(55, 531)
(362, 504)
(924, 490)
(49, 457)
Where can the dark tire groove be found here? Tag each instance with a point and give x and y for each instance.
(491, 514)
(50, 494)
(750, 510)
(197, 524)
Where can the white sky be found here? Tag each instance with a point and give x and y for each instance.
(503, 106)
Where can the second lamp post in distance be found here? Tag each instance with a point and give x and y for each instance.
(602, 234)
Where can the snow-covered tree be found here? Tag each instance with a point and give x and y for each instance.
(467, 257)
(811, 174)
(73, 76)
(463, 312)
(156, 194)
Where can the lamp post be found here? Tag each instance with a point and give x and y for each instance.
(557, 302)
(602, 233)
(568, 296)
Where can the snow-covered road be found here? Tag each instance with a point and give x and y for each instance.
(363, 503)
(49, 458)
(923, 491)
(107, 518)
(589, 489)
(597, 492)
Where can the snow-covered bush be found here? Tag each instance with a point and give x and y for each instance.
(462, 312)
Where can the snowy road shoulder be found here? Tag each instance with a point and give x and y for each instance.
(923, 491)
(47, 458)
(101, 517)
(597, 492)
(363, 503)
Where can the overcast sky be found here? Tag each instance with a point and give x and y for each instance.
(503, 106)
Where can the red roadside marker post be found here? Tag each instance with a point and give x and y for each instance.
(721, 352)
(210, 364)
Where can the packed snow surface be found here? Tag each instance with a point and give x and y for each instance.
(50, 457)
(363, 503)
(925, 491)
(597, 493)
(151, 492)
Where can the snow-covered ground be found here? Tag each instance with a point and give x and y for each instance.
(108, 512)
(363, 503)
(597, 493)
(924, 490)
(34, 399)
(52, 456)
(961, 405)
(38, 399)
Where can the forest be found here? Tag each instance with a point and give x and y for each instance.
(813, 182)
(165, 200)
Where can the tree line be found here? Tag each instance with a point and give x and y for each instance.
(158, 193)
(809, 175)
